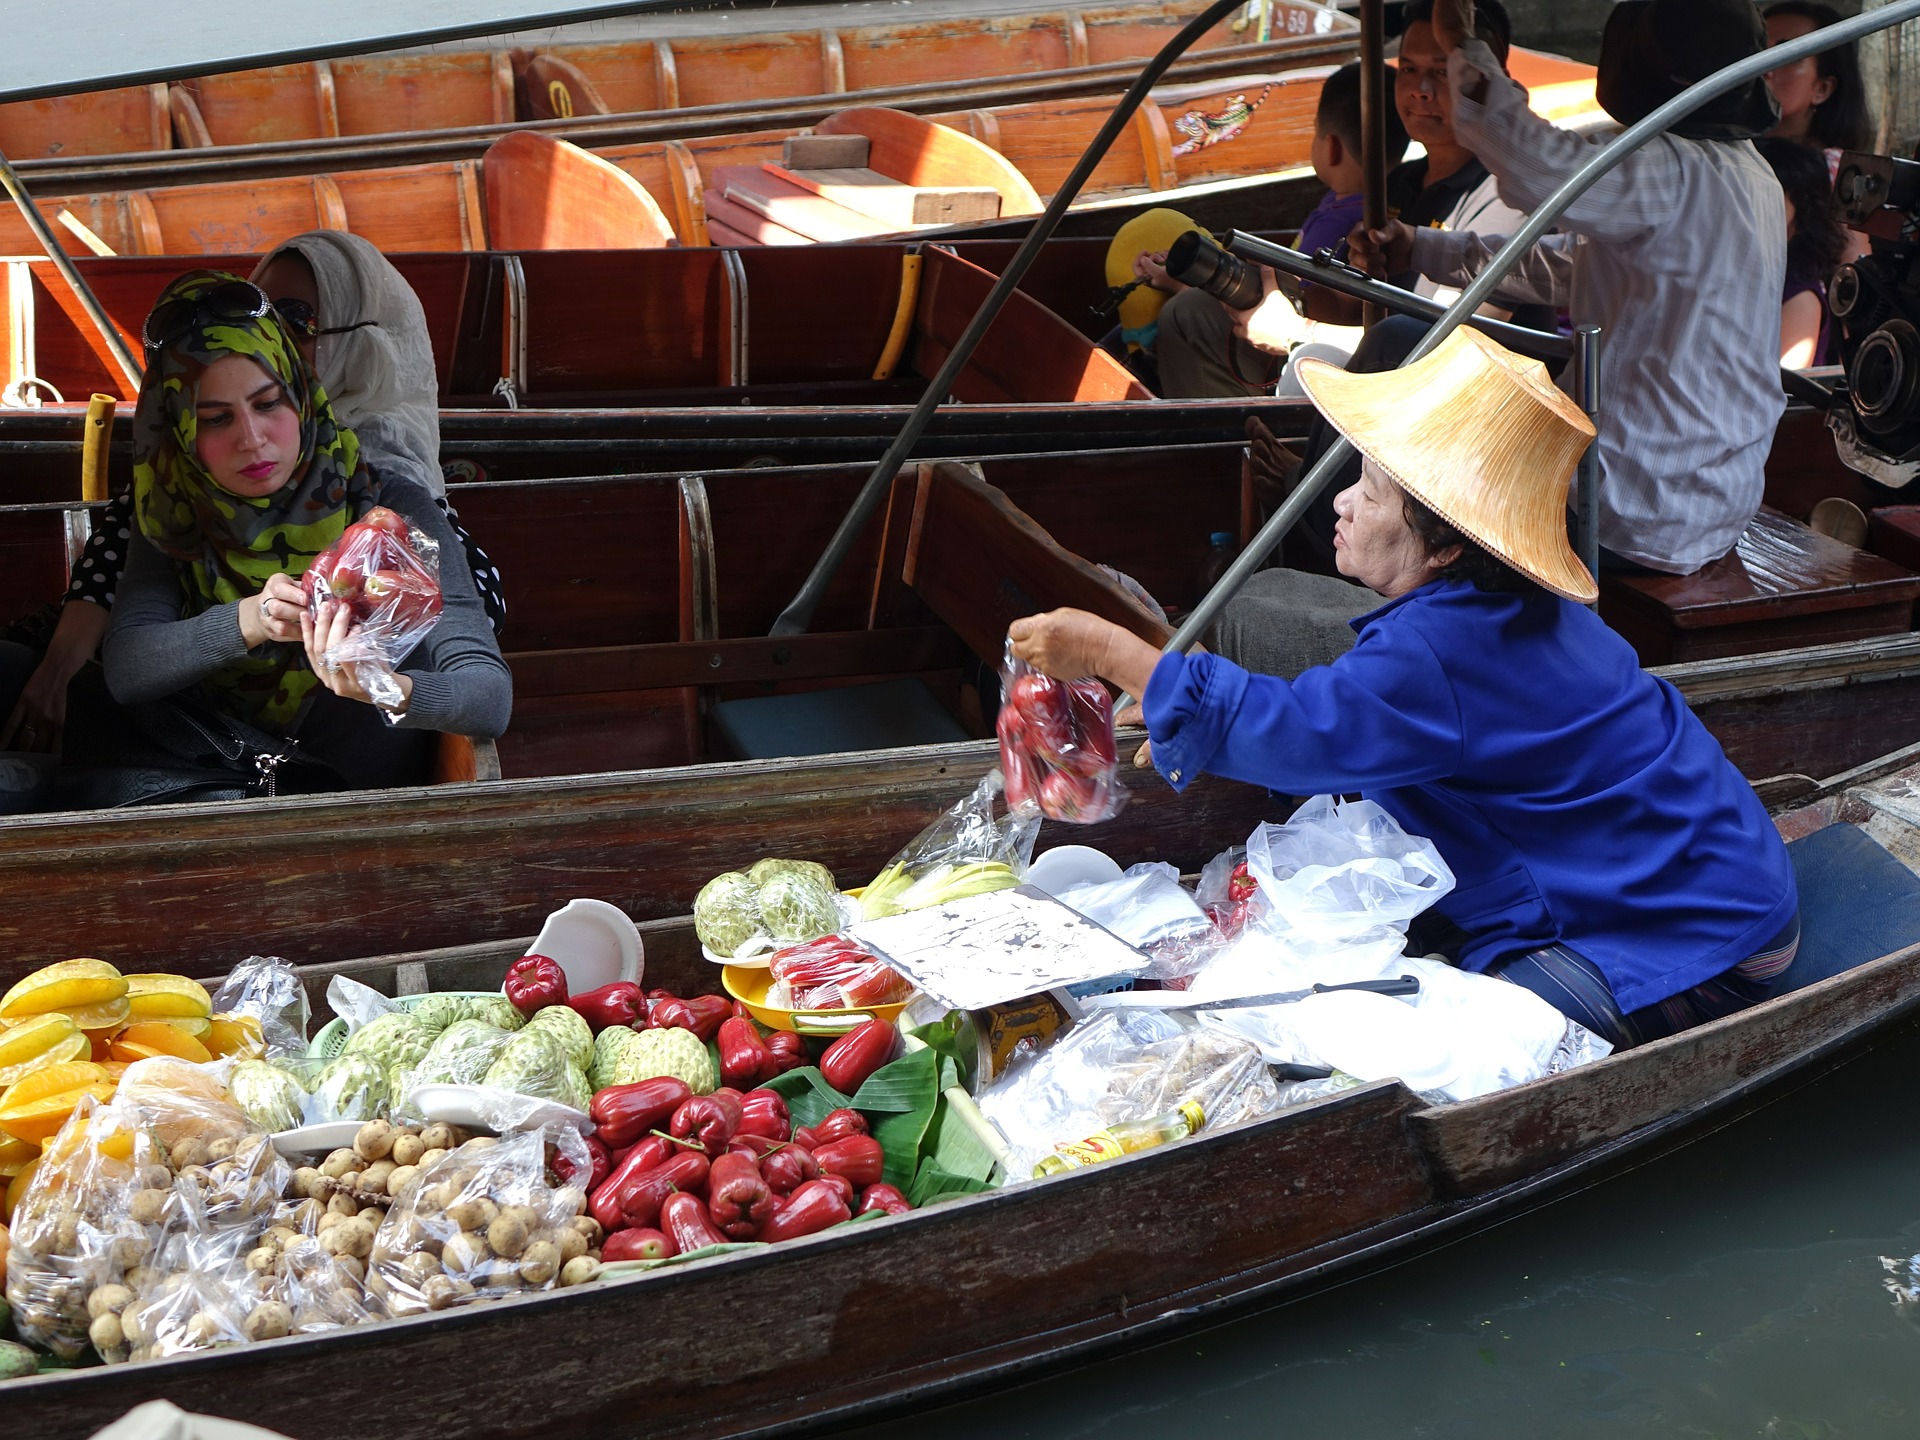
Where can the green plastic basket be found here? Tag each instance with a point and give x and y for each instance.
(332, 1036)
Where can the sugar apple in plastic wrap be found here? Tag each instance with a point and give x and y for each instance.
(393, 1039)
(796, 905)
(569, 1027)
(353, 1087)
(270, 1097)
(463, 1054)
(626, 1057)
(579, 1093)
(531, 1063)
(726, 913)
(438, 1012)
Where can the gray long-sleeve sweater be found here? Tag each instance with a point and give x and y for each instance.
(460, 683)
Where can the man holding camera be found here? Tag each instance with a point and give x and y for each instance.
(1678, 254)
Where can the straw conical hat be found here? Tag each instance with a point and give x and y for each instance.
(1480, 436)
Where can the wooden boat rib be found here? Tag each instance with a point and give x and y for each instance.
(1352, 1181)
(390, 95)
(1019, 151)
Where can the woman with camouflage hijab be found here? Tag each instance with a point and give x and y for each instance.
(241, 477)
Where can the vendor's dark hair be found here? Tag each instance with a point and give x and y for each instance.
(1841, 121)
(1490, 23)
(1339, 114)
(1818, 240)
(1475, 564)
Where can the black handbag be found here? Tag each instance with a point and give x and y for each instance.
(188, 750)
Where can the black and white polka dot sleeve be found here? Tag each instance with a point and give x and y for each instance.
(96, 574)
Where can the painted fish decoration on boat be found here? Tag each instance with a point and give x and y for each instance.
(1203, 129)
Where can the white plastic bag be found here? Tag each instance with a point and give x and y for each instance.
(1149, 909)
(1338, 869)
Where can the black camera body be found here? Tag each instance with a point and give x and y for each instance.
(1875, 305)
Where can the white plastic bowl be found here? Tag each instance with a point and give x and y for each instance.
(594, 942)
(1066, 866)
(319, 1139)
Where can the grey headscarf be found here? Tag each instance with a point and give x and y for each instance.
(381, 379)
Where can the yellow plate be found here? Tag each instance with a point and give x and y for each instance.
(749, 986)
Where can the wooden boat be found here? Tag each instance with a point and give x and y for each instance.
(470, 89)
(1320, 36)
(1039, 1274)
(622, 670)
(1215, 130)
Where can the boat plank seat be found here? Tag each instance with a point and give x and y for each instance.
(764, 193)
(892, 202)
(548, 87)
(1031, 358)
(980, 563)
(1782, 585)
(918, 151)
(544, 193)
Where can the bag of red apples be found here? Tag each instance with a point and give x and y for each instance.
(1056, 746)
(388, 575)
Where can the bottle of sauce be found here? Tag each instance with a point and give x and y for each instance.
(1123, 1139)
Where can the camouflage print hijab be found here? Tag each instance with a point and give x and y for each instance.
(226, 546)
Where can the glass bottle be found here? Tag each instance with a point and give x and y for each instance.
(1123, 1139)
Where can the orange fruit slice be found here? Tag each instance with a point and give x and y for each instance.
(69, 985)
(154, 1037)
(16, 1155)
(42, 1040)
(53, 1080)
(197, 1026)
(39, 1118)
(16, 1188)
(161, 997)
(234, 1035)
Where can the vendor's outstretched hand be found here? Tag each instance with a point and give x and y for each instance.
(1068, 644)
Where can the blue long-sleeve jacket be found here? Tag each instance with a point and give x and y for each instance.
(1575, 796)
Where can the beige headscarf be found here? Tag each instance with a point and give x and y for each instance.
(381, 379)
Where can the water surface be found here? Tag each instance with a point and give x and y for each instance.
(1735, 1288)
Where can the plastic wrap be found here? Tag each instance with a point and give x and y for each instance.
(966, 851)
(834, 973)
(1150, 910)
(535, 1064)
(269, 991)
(1338, 869)
(462, 1055)
(775, 902)
(482, 1221)
(1227, 891)
(352, 1087)
(388, 574)
(1056, 746)
(1125, 1065)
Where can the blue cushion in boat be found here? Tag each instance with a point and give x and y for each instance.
(878, 716)
(1857, 903)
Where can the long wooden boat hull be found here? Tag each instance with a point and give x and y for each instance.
(1222, 129)
(384, 97)
(985, 1288)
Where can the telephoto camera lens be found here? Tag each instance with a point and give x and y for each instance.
(1195, 260)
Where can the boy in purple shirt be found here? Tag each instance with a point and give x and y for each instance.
(1201, 346)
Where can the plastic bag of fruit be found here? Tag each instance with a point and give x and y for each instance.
(968, 850)
(486, 1219)
(1056, 746)
(388, 574)
(835, 973)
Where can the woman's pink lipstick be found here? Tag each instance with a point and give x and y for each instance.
(260, 469)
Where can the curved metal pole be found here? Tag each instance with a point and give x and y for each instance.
(1518, 244)
(799, 612)
(57, 253)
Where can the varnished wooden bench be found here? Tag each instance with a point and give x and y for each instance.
(1783, 585)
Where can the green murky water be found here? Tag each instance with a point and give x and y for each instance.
(1735, 1288)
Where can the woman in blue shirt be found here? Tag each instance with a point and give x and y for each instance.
(1607, 855)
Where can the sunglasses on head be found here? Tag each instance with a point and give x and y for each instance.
(233, 301)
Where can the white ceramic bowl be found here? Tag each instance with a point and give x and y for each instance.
(316, 1139)
(1066, 866)
(472, 1107)
(594, 942)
